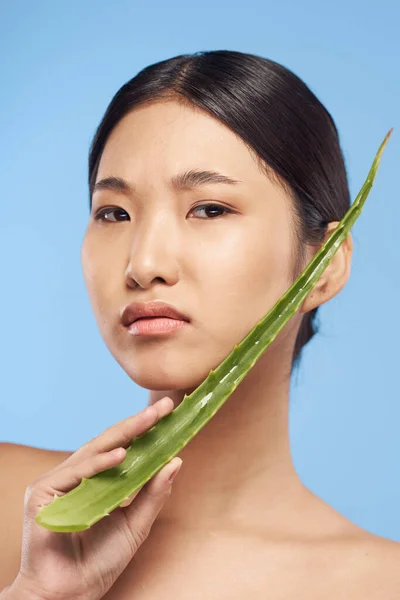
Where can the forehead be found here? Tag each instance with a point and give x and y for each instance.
(158, 140)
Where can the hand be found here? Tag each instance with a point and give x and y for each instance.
(84, 564)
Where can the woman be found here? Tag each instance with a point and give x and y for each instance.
(214, 178)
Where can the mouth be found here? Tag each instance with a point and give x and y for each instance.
(157, 317)
(155, 309)
(160, 325)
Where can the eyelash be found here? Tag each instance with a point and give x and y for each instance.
(100, 216)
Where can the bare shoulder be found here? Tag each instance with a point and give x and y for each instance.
(383, 556)
(382, 567)
(364, 564)
(372, 564)
(29, 457)
(20, 465)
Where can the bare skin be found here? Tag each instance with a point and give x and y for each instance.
(229, 507)
(239, 522)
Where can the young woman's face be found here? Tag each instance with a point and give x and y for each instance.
(223, 268)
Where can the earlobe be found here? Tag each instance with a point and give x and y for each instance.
(335, 276)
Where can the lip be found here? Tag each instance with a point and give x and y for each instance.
(154, 308)
(156, 326)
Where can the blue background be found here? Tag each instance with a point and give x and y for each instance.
(61, 63)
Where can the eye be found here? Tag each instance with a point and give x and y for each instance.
(102, 214)
(213, 206)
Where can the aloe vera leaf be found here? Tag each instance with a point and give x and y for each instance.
(95, 497)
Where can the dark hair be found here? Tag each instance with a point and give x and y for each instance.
(282, 122)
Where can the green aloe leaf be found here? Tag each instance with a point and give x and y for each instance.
(95, 497)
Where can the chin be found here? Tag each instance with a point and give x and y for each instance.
(158, 383)
(155, 378)
(157, 369)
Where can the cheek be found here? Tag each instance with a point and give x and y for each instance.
(245, 275)
(98, 269)
(89, 260)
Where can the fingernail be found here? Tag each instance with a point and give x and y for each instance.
(165, 401)
(117, 451)
(175, 472)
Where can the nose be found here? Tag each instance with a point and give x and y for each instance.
(153, 254)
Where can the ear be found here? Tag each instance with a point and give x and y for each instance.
(336, 274)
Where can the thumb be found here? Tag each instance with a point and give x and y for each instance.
(142, 513)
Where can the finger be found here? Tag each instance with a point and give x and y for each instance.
(41, 492)
(122, 433)
(165, 472)
(142, 513)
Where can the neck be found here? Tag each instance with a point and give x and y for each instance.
(238, 470)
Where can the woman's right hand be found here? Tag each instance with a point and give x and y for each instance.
(84, 564)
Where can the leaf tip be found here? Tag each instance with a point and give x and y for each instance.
(389, 133)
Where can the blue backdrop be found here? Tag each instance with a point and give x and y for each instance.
(61, 64)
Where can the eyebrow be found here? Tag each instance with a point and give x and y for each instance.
(183, 181)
